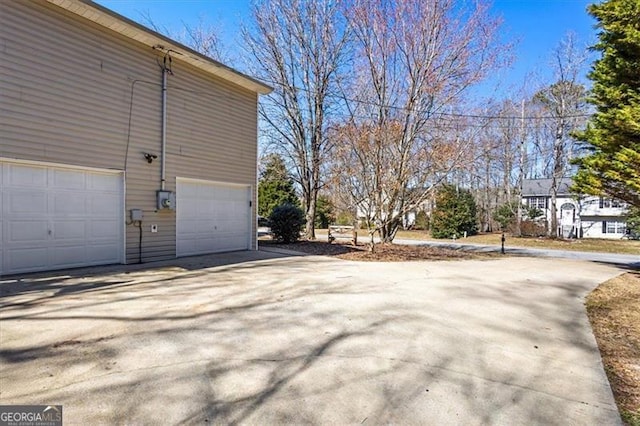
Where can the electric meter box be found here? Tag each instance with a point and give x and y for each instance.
(166, 200)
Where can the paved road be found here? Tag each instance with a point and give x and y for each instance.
(253, 338)
(627, 260)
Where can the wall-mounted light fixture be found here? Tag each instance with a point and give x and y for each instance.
(149, 157)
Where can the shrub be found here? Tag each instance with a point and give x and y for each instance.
(345, 218)
(287, 221)
(530, 228)
(454, 214)
(422, 221)
(505, 215)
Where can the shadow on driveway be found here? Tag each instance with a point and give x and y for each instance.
(273, 340)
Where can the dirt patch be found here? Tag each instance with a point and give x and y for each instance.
(614, 312)
(381, 253)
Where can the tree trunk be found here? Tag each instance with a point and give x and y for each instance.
(310, 231)
(557, 175)
(389, 230)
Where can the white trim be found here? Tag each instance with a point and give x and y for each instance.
(58, 165)
(214, 182)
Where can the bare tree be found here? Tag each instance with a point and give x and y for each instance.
(565, 102)
(496, 161)
(413, 60)
(202, 37)
(299, 47)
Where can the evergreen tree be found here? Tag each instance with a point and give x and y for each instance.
(633, 222)
(275, 187)
(454, 214)
(612, 137)
(325, 212)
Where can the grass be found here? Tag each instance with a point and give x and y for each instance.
(585, 244)
(614, 312)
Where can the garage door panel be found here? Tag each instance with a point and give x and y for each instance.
(104, 229)
(205, 207)
(103, 253)
(67, 204)
(29, 202)
(28, 259)
(68, 256)
(186, 246)
(28, 231)
(26, 176)
(104, 205)
(56, 217)
(217, 220)
(69, 231)
(104, 183)
(68, 179)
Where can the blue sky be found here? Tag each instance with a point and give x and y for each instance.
(536, 25)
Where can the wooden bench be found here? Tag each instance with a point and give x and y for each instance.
(344, 232)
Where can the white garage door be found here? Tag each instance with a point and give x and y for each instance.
(57, 217)
(212, 217)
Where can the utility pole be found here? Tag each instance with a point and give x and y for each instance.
(521, 171)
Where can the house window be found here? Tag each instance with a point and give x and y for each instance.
(610, 227)
(606, 203)
(537, 202)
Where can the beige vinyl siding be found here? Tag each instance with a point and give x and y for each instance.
(65, 97)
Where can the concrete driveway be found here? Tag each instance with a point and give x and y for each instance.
(255, 339)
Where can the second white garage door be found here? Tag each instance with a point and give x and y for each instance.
(212, 217)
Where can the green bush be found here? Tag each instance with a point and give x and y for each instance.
(325, 215)
(345, 218)
(422, 221)
(287, 221)
(454, 213)
(633, 222)
(505, 215)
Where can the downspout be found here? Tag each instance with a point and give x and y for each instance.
(163, 136)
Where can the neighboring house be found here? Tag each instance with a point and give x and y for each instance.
(117, 144)
(578, 217)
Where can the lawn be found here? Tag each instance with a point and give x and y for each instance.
(586, 244)
(614, 312)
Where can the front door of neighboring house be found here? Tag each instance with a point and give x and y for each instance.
(567, 219)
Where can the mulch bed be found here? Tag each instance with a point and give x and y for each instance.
(362, 252)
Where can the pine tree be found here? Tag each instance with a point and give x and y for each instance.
(612, 137)
(455, 213)
(275, 187)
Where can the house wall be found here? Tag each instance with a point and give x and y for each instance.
(74, 93)
(592, 227)
(590, 206)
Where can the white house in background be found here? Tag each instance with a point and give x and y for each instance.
(578, 216)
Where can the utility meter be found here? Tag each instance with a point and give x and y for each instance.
(166, 200)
